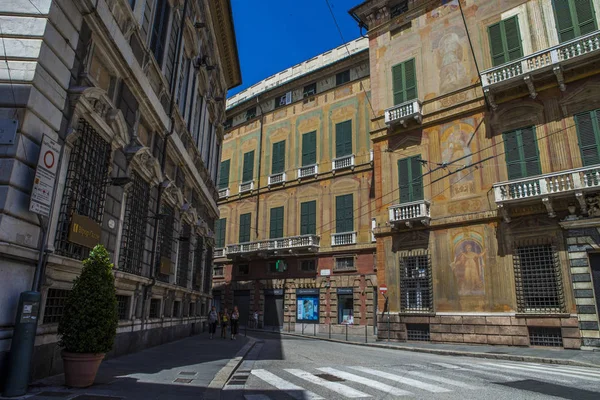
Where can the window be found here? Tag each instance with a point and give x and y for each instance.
(154, 308)
(134, 226)
(404, 82)
(220, 231)
(308, 218)
(183, 85)
(123, 307)
(167, 222)
(224, 174)
(128, 106)
(283, 100)
(574, 18)
(416, 283)
(199, 266)
(208, 259)
(176, 309)
(343, 139)
(410, 179)
(218, 272)
(345, 304)
(505, 41)
(278, 162)
(228, 123)
(309, 148)
(342, 78)
(276, 230)
(245, 228)
(159, 30)
(248, 168)
(171, 51)
(521, 152)
(183, 262)
(251, 113)
(538, 279)
(344, 213)
(588, 132)
(344, 264)
(85, 187)
(243, 269)
(308, 266)
(55, 305)
(309, 90)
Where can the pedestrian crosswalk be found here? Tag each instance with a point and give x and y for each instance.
(425, 380)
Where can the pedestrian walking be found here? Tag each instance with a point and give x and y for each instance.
(235, 322)
(224, 323)
(213, 319)
(255, 319)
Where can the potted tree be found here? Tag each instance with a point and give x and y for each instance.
(88, 327)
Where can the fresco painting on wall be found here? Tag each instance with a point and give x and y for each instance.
(452, 58)
(468, 264)
(456, 146)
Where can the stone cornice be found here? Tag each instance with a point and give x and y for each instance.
(222, 20)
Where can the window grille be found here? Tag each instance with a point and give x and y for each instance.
(416, 286)
(56, 300)
(123, 306)
(308, 266)
(85, 187)
(167, 223)
(154, 308)
(538, 279)
(176, 309)
(541, 336)
(183, 264)
(417, 332)
(134, 226)
(344, 263)
(207, 282)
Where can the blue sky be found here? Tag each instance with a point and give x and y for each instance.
(273, 35)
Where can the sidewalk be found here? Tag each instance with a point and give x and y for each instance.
(182, 369)
(585, 358)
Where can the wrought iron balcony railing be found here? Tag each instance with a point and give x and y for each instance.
(303, 242)
(402, 113)
(408, 213)
(308, 170)
(246, 187)
(343, 162)
(344, 238)
(276, 179)
(224, 193)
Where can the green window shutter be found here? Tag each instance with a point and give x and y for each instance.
(245, 228)
(521, 153)
(220, 231)
(224, 174)
(248, 168)
(505, 41)
(410, 179)
(398, 83)
(416, 176)
(344, 214)
(586, 21)
(308, 218)
(588, 132)
(404, 81)
(343, 139)
(404, 180)
(276, 223)
(512, 155)
(278, 164)
(309, 148)
(530, 152)
(564, 20)
(574, 18)
(496, 44)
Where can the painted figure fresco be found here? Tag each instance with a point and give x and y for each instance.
(468, 268)
(456, 149)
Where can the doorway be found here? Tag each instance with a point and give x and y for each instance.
(273, 308)
(241, 299)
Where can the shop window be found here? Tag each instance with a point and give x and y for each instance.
(345, 306)
(183, 262)
(307, 305)
(154, 308)
(123, 307)
(56, 300)
(344, 263)
(416, 283)
(538, 279)
(134, 226)
(308, 265)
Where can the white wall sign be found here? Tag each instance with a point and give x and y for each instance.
(325, 272)
(45, 176)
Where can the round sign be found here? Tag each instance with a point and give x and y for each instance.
(49, 159)
(383, 289)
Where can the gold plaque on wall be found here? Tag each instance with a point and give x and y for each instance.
(84, 231)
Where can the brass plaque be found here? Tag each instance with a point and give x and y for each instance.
(84, 231)
(165, 265)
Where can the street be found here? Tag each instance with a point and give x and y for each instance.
(283, 367)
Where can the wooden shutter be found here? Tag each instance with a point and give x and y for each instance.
(416, 179)
(521, 153)
(220, 228)
(404, 81)
(248, 171)
(224, 174)
(584, 10)
(505, 41)
(344, 214)
(244, 228)
(278, 164)
(404, 180)
(531, 160)
(276, 223)
(564, 20)
(309, 148)
(308, 218)
(512, 155)
(588, 131)
(343, 139)
(398, 83)
(496, 44)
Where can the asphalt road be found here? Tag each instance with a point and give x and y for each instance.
(298, 368)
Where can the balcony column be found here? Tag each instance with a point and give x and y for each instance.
(530, 86)
(504, 213)
(581, 200)
(490, 97)
(548, 203)
(560, 78)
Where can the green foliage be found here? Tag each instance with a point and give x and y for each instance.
(89, 323)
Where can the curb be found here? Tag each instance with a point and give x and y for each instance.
(509, 357)
(221, 378)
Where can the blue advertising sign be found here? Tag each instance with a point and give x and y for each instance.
(307, 308)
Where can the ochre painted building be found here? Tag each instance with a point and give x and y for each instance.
(486, 183)
(294, 241)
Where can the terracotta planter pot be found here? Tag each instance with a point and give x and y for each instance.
(81, 368)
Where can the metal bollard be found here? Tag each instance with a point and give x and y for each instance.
(315, 330)
(366, 337)
(246, 330)
(346, 332)
(303, 328)
(330, 330)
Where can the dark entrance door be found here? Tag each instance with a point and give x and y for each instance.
(595, 266)
(273, 308)
(241, 299)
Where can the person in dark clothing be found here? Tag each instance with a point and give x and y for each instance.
(213, 320)
(224, 323)
(235, 321)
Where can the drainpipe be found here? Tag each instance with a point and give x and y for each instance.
(262, 123)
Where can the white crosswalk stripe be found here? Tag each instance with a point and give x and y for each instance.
(344, 390)
(507, 374)
(401, 379)
(441, 380)
(365, 381)
(293, 390)
(567, 369)
(544, 370)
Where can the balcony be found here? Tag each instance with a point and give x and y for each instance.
(220, 253)
(342, 162)
(276, 179)
(246, 187)
(224, 193)
(265, 248)
(343, 239)
(308, 171)
(547, 187)
(409, 213)
(403, 113)
(526, 70)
